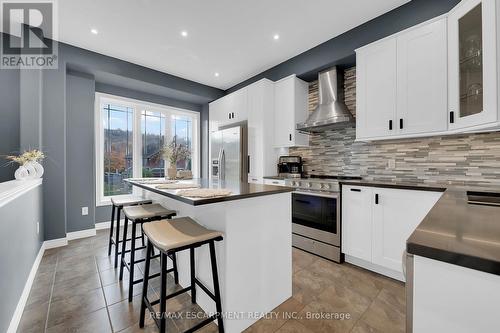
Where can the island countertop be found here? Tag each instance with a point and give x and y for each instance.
(238, 190)
(454, 231)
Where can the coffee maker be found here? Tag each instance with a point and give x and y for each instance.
(290, 166)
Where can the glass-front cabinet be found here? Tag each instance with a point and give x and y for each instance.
(472, 66)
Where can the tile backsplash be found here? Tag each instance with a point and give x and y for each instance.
(472, 159)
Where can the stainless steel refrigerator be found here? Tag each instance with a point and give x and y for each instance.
(229, 157)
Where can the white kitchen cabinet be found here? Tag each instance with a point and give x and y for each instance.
(472, 66)
(230, 109)
(396, 213)
(376, 85)
(376, 222)
(402, 83)
(275, 182)
(357, 221)
(422, 79)
(261, 153)
(290, 108)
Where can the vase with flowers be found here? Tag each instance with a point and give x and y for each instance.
(29, 164)
(173, 153)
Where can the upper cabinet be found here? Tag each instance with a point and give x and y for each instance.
(402, 83)
(472, 64)
(437, 78)
(290, 108)
(422, 79)
(376, 84)
(229, 109)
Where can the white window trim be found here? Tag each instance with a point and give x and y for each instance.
(137, 106)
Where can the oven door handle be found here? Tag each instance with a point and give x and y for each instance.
(303, 201)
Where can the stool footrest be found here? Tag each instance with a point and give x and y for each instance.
(204, 288)
(203, 323)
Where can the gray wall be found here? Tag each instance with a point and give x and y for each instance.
(66, 96)
(80, 172)
(340, 50)
(9, 121)
(19, 246)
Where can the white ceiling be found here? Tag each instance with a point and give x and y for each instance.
(231, 37)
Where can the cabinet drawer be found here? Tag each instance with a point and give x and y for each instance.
(321, 249)
(255, 180)
(276, 182)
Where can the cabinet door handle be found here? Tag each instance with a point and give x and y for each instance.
(390, 125)
(229, 115)
(452, 117)
(290, 137)
(232, 115)
(400, 123)
(248, 163)
(275, 182)
(376, 199)
(355, 189)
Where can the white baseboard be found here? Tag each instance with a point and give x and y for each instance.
(18, 313)
(81, 234)
(375, 268)
(107, 225)
(55, 243)
(103, 225)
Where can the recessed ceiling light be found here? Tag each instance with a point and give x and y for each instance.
(94, 31)
(184, 33)
(276, 37)
(216, 74)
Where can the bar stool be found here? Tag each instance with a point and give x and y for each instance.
(117, 205)
(140, 215)
(170, 237)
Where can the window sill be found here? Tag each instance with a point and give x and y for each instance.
(107, 200)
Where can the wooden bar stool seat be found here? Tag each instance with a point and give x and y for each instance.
(117, 205)
(139, 215)
(170, 237)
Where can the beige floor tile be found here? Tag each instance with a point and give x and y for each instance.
(80, 303)
(293, 326)
(97, 321)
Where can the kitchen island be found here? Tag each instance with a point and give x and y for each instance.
(255, 257)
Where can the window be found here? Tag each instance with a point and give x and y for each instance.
(129, 137)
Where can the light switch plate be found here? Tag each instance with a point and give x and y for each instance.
(85, 210)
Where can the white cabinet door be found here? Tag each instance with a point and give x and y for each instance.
(376, 85)
(290, 108)
(357, 221)
(422, 79)
(275, 182)
(396, 214)
(229, 109)
(262, 158)
(472, 64)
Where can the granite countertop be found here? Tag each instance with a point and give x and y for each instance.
(239, 190)
(454, 231)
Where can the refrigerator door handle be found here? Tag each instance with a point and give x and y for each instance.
(223, 164)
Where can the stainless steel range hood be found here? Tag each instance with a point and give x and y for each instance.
(331, 112)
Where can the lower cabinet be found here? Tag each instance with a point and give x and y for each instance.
(275, 182)
(376, 222)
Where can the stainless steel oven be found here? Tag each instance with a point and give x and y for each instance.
(316, 223)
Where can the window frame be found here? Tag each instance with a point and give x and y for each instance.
(138, 107)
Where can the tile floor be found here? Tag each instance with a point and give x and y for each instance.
(76, 289)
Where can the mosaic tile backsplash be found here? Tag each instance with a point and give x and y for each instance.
(472, 159)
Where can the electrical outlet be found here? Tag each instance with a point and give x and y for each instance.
(391, 163)
(85, 210)
(37, 227)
